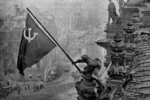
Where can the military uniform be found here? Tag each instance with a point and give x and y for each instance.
(121, 4)
(112, 12)
(89, 88)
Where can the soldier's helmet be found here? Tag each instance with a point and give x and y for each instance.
(85, 58)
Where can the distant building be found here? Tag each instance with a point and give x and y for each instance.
(33, 74)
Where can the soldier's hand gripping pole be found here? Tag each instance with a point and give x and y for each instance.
(75, 65)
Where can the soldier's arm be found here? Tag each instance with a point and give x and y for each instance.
(79, 61)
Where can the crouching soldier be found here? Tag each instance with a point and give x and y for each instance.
(89, 87)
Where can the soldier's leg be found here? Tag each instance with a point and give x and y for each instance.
(113, 19)
(109, 18)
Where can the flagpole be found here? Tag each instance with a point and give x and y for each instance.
(55, 41)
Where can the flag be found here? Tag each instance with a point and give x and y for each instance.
(35, 44)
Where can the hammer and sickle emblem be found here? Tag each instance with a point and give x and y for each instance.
(29, 37)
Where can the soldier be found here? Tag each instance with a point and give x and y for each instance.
(18, 89)
(36, 87)
(90, 87)
(28, 85)
(25, 88)
(121, 4)
(112, 14)
(41, 85)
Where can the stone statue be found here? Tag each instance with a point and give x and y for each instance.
(117, 56)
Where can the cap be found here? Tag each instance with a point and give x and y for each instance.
(85, 57)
